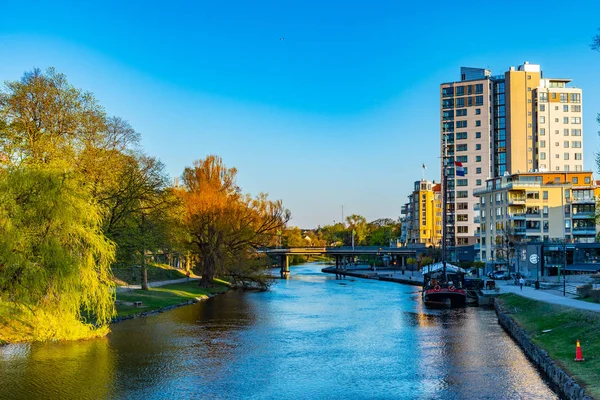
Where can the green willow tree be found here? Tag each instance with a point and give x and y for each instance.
(224, 227)
(48, 126)
(55, 279)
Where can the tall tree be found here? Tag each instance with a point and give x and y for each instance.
(54, 260)
(137, 211)
(223, 226)
(358, 225)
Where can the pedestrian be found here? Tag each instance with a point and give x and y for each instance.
(521, 282)
(187, 275)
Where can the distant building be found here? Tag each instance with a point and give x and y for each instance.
(512, 123)
(422, 222)
(544, 207)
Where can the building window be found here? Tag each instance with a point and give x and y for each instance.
(575, 98)
(563, 97)
(462, 194)
(477, 158)
(542, 143)
(477, 135)
(587, 180)
(478, 170)
(477, 146)
(578, 156)
(565, 120)
(542, 119)
(460, 103)
(575, 132)
(460, 90)
(478, 182)
(462, 217)
(462, 229)
(575, 120)
(542, 156)
(576, 144)
(478, 123)
(566, 108)
(479, 88)
(462, 182)
(461, 113)
(566, 156)
(545, 195)
(477, 111)
(575, 180)
(542, 107)
(566, 132)
(575, 108)
(461, 135)
(478, 100)
(461, 124)
(566, 144)
(461, 159)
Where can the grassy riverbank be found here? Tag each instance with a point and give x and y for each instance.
(164, 296)
(566, 326)
(156, 272)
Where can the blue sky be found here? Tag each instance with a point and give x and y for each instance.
(320, 104)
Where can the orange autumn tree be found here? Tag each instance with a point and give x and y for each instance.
(223, 227)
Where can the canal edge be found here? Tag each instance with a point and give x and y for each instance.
(566, 385)
(161, 310)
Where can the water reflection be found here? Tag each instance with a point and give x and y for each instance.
(310, 337)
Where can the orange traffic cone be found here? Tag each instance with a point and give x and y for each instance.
(578, 355)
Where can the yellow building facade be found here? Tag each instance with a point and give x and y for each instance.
(423, 214)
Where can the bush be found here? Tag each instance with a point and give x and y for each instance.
(595, 295)
(584, 290)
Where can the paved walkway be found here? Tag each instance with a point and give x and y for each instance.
(155, 284)
(548, 297)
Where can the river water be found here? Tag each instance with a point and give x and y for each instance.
(311, 337)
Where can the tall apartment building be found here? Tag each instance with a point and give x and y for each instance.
(504, 124)
(422, 222)
(535, 207)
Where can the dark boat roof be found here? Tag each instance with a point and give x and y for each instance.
(439, 266)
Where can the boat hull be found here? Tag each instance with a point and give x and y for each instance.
(445, 297)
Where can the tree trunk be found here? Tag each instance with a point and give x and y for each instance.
(144, 273)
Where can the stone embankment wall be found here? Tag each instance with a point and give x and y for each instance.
(565, 384)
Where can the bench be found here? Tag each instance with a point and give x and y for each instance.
(137, 303)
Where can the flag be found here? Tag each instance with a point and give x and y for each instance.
(460, 171)
(424, 167)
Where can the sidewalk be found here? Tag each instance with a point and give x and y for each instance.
(545, 296)
(155, 284)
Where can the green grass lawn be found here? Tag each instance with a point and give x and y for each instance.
(156, 272)
(163, 296)
(567, 325)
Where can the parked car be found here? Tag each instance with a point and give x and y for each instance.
(501, 275)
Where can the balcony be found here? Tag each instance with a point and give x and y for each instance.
(512, 201)
(477, 219)
(518, 216)
(477, 234)
(583, 200)
(584, 215)
(477, 207)
(584, 231)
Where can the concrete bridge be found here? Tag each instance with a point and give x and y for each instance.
(343, 254)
